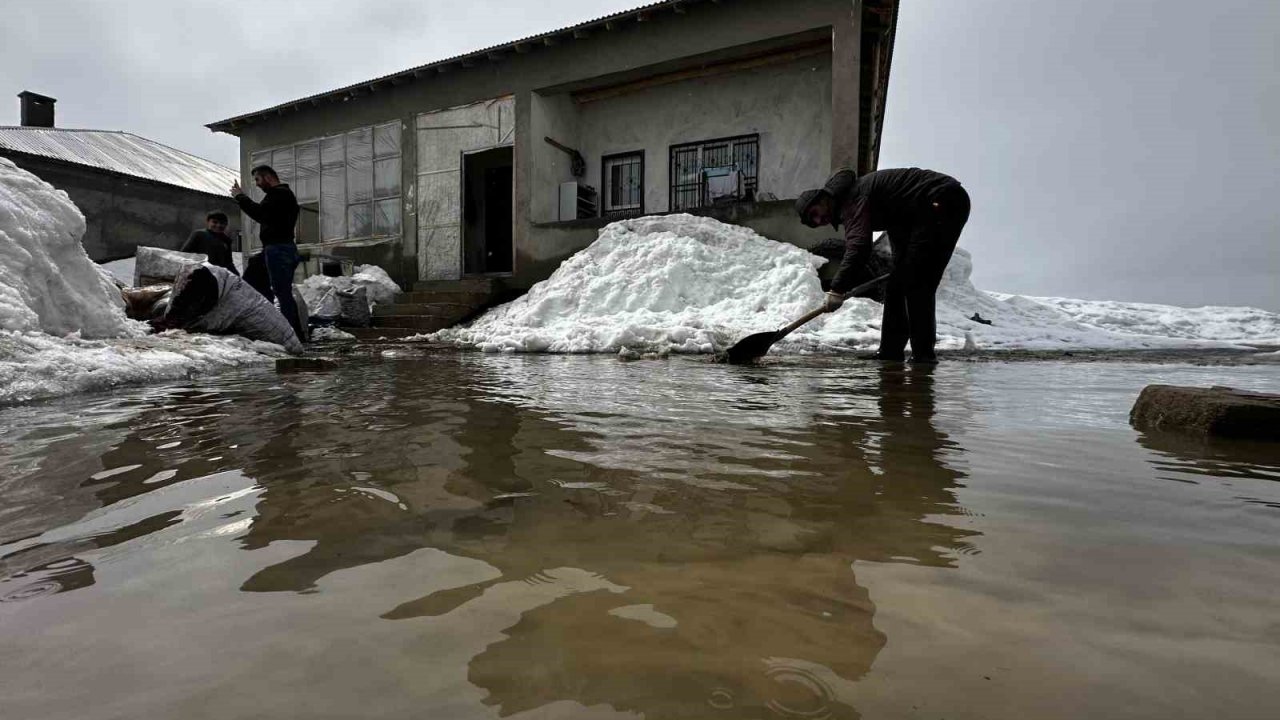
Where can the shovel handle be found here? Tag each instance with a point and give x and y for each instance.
(815, 313)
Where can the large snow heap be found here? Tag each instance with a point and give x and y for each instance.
(62, 324)
(681, 283)
(47, 281)
(673, 282)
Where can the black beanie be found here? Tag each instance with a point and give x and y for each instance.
(804, 202)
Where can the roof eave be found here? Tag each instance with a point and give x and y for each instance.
(111, 173)
(496, 53)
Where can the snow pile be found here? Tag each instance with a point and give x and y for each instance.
(35, 366)
(1212, 322)
(53, 298)
(47, 282)
(675, 282)
(687, 284)
(320, 291)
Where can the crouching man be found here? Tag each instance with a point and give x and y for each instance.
(924, 212)
(208, 298)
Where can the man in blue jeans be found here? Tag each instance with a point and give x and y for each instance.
(277, 215)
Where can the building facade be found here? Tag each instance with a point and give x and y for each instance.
(505, 161)
(132, 191)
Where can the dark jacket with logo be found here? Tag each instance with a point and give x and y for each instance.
(277, 214)
(215, 245)
(876, 201)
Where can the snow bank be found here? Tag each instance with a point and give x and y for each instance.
(680, 283)
(35, 365)
(676, 282)
(47, 282)
(1212, 322)
(319, 290)
(62, 324)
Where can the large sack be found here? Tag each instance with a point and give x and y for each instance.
(156, 266)
(234, 307)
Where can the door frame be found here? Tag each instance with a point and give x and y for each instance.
(462, 203)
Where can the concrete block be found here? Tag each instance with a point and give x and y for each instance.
(1216, 411)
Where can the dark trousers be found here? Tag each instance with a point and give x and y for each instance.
(282, 261)
(921, 251)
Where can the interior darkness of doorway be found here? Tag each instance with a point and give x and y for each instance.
(486, 212)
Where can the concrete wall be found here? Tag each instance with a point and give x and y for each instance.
(123, 212)
(535, 77)
(556, 117)
(789, 105)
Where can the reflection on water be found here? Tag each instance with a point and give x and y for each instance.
(463, 534)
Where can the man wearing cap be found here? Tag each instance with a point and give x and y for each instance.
(924, 212)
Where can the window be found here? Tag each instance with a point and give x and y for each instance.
(710, 171)
(348, 185)
(623, 179)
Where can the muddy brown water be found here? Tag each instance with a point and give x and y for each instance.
(460, 535)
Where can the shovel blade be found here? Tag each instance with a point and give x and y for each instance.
(751, 347)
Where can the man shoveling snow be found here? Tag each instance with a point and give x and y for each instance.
(924, 212)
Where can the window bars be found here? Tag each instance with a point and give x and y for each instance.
(691, 164)
(623, 177)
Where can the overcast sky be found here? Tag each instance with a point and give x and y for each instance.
(1126, 150)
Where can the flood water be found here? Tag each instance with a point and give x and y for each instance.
(460, 535)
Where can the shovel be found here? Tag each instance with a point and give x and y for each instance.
(755, 346)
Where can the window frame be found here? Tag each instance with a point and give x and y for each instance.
(675, 188)
(604, 210)
(370, 204)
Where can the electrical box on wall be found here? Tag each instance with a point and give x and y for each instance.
(577, 201)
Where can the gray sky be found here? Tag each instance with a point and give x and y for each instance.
(1126, 150)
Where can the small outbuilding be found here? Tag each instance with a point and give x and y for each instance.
(132, 191)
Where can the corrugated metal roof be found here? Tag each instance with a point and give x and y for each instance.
(123, 153)
(489, 53)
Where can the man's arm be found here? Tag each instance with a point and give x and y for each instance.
(856, 217)
(260, 212)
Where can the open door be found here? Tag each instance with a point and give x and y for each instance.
(486, 211)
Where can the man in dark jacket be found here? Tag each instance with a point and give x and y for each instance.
(924, 212)
(277, 215)
(213, 242)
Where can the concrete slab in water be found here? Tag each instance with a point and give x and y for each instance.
(1215, 411)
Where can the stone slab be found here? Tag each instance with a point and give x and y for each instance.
(1216, 411)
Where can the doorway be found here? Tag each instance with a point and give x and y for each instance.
(486, 211)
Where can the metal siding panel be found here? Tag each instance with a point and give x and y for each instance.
(121, 153)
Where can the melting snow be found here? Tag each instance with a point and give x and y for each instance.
(681, 283)
(62, 323)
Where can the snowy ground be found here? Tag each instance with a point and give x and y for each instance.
(62, 323)
(680, 283)
(35, 365)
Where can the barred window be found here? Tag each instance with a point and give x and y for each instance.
(623, 179)
(710, 171)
